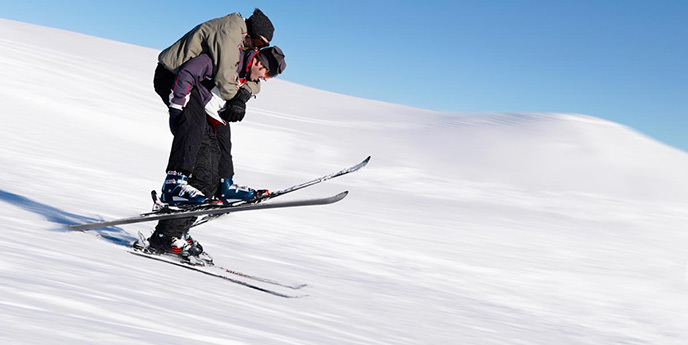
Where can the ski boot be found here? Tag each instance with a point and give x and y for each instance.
(230, 193)
(187, 248)
(176, 191)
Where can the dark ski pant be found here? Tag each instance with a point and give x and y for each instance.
(205, 177)
(199, 149)
(190, 128)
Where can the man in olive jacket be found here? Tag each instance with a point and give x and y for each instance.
(222, 39)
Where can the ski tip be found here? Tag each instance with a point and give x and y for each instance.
(341, 195)
(359, 165)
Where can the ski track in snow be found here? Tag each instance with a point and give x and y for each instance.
(510, 228)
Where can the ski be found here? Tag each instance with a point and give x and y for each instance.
(211, 210)
(320, 179)
(208, 212)
(272, 195)
(141, 245)
(202, 269)
(260, 279)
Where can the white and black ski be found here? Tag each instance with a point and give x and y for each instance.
(211, 271)
(320, 179)
(260, 279)
(207, 212)
(272, 195)
(210, 210)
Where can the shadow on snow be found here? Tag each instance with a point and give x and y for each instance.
(112, 234)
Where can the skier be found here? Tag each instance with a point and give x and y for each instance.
(206, 175)
(218, 68)
(224, 40)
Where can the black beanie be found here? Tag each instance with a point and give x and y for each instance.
(258, 24)
(273, 59)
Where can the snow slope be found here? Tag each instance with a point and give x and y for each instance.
(463, 229)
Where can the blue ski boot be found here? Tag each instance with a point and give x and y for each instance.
(229, 193)
(177, 191)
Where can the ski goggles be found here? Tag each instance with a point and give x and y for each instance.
(260, 42)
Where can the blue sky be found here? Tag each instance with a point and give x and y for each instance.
(625, 61)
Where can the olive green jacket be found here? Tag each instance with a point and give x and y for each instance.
(223, 40)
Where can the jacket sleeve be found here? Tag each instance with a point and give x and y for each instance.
(253, 86)
(190, 74)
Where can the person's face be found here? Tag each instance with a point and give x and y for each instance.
(258, 71)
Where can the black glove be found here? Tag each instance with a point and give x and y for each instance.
(235, 108)
(174, 118)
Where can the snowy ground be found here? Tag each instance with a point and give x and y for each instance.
(463, 229)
